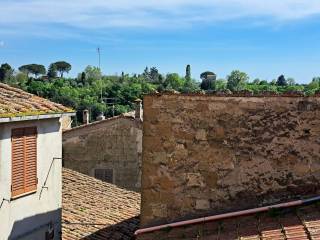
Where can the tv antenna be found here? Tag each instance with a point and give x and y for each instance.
(111, 102)
(99, 59)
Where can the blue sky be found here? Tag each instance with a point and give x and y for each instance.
(263, 38)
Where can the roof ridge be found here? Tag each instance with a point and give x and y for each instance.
(99, 122)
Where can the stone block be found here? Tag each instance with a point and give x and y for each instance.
(201, 135)
(159, 210)
(160, 157)
(202, 204)
(194, 180)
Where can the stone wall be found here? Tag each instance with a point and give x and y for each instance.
(109, 144)
(207, 154)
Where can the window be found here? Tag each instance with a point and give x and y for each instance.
(105, 175)
(24, 161)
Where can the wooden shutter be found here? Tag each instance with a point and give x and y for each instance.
(24, 160)
(17, 186)
(30, 159)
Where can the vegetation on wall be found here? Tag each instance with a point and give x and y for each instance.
(115, 94)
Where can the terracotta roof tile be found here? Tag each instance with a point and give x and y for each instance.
(301, 223)
(16, 102)
(94, 210)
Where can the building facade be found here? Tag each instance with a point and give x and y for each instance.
(30, 165)
(109, 150)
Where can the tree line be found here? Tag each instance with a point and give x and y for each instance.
(239, 81)
(115, 94)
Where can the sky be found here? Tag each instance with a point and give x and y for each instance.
(262, 38)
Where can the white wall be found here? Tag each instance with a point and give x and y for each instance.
(31, 214)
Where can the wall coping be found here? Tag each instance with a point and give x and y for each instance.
(248, 94)
(93, 124)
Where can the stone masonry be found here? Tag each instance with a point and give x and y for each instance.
(114, 144)
(206, 154)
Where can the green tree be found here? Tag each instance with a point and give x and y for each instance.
(256, 81)
(92, 74)
(80, 93)
(208, 80)
(237, 80)
(188, 73)
(173, 81)
(273, 82)
(281, 81)
(83, 78)
(154, 75)
(146, 75)
(35, 69)
(62, 67)
(291, 81)
(21, 80)
(52, 71)
(220, 84)
(263, 82)
(6, 72)
(314, 86)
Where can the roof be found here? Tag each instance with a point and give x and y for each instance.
(93, 209)
(128, 115)
(15, 102)
(301, 223)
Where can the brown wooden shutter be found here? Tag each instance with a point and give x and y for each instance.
(30, 159)
(24, 160)
(17, 186)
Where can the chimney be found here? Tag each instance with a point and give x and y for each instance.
(85, 117)
(138, 109)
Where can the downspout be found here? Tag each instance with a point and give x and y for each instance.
(45, 182)
(227, 215)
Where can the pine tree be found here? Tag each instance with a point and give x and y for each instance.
(282, 81)
(52, 71)
(188, 72)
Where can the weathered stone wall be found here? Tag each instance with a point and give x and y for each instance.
(207, 154)
(110, 144)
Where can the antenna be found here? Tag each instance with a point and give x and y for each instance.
(99, 56)
(111, 101)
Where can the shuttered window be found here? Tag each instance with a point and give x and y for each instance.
(24, 161)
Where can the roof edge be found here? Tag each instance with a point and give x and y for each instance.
(248, 94)
(121, 116)
(36, 117)
(228, 215)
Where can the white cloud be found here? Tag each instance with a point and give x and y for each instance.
(102, 14)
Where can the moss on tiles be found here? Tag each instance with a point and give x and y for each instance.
(17, 103)
(30, 113)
